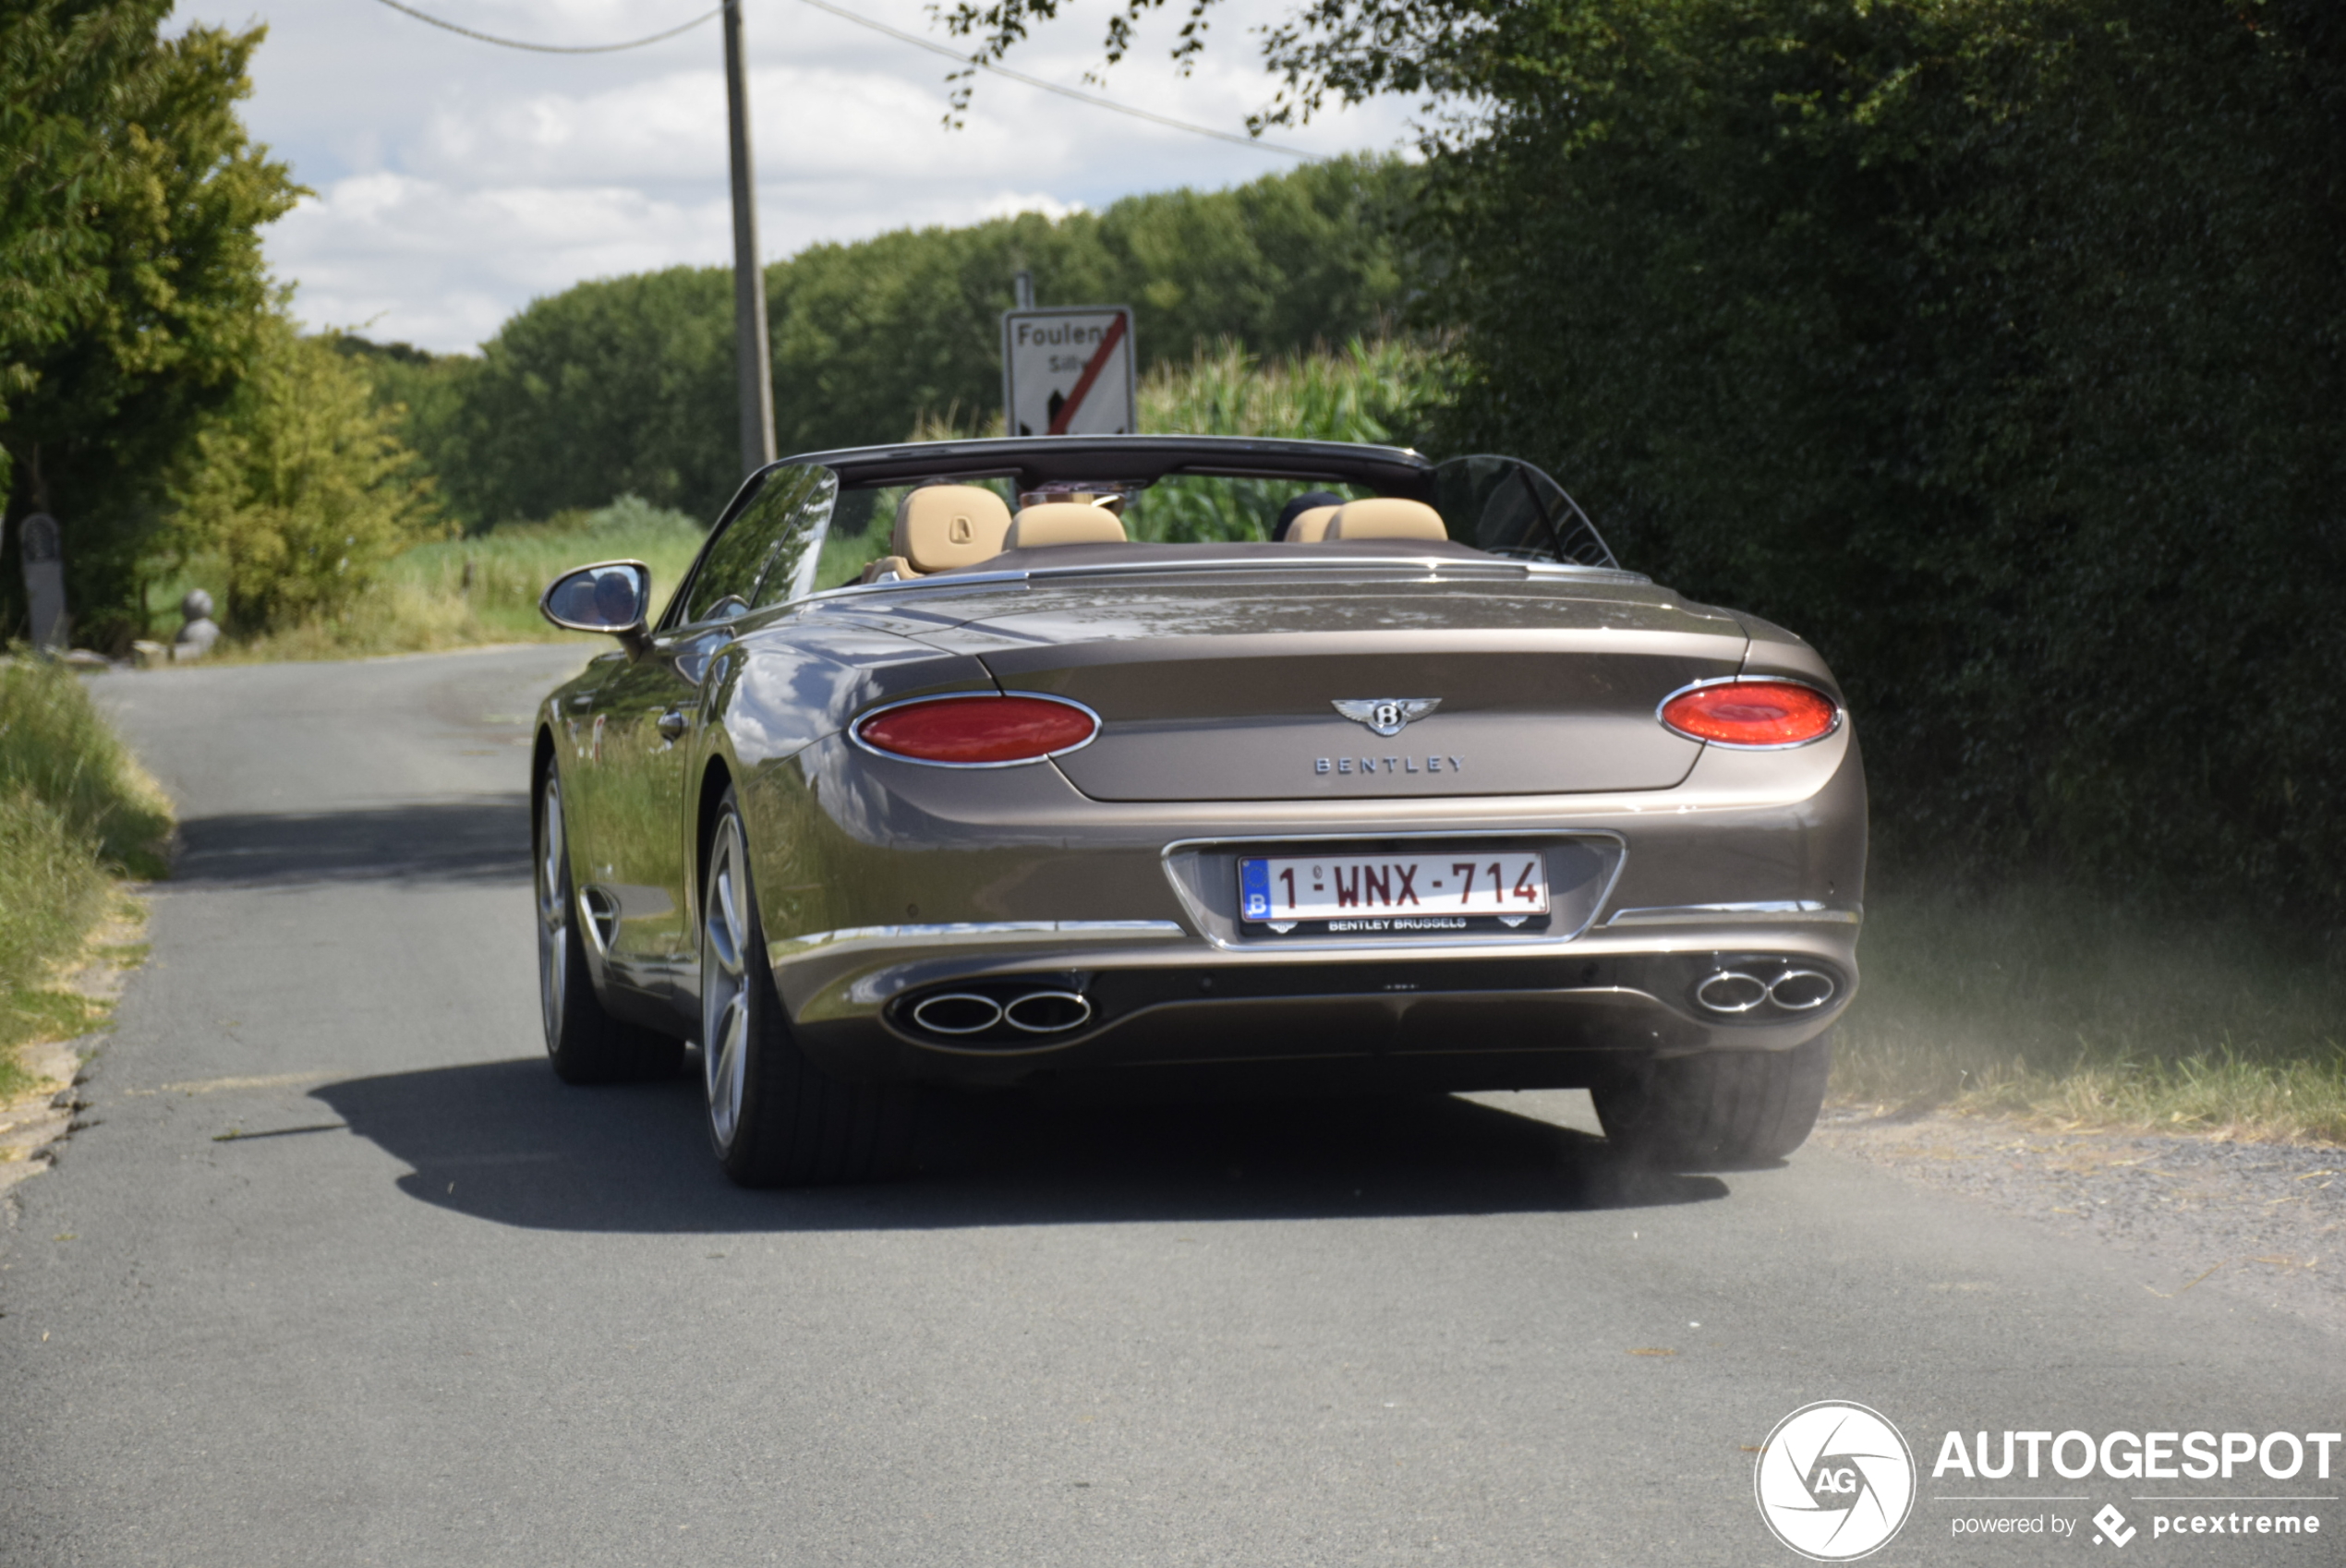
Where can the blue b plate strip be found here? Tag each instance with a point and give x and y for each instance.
(1254, 889)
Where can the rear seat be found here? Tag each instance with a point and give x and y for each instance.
(1311, 526)
(1380, 517)
(941, 526)
(1064, 522)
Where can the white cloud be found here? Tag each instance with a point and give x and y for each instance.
(455, 181)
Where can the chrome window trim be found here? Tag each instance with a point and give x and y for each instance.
(855, 727)
(1435, 567)
(1840, 713)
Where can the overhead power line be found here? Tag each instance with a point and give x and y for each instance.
(554, 48)
(1097, 103)
(903, 37)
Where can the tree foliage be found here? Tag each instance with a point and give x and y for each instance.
(1997, 346)
(299, 491)
(626, 384)
(131, 285)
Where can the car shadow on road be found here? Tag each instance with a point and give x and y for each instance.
(505, 1142)
(482, 841)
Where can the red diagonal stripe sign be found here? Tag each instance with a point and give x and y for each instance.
(1092, 369)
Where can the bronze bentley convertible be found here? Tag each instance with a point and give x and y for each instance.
(942, 767)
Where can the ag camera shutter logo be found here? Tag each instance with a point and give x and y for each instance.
(1835, 1481)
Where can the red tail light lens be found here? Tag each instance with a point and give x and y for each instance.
(979, 731)
(1753, 713)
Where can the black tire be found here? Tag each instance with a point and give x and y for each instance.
(1719, 1109)
(585, 1044)
(775, 1118)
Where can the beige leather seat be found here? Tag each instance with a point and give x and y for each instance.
(941, 526)
(1382, 518)
(1312, 525)
(1063, 523)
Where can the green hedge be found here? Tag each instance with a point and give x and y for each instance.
(1993, 344)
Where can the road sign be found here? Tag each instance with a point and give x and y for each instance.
(1068, 372)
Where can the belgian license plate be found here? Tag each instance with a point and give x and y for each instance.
(1427, 893)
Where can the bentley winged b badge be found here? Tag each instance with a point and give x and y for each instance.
(1385, 716)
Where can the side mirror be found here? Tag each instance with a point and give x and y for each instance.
(612, 597)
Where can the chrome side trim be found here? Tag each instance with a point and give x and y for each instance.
(972, 932)
(1800, 911)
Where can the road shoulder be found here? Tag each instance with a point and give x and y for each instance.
(2259, 1221)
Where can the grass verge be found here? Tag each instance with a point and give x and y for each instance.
(2045, 1003)
(76, 811)
(466, 592)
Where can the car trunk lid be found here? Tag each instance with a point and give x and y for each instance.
(1212, 691)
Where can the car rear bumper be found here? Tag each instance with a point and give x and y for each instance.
(1153, 999)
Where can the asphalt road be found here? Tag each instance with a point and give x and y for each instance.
(430, 1306)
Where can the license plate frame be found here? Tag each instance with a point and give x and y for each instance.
(1419, 894)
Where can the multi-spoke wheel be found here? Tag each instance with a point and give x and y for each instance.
(725, 984)
(775, 1118)
(584, 1041)
(1719, 1109)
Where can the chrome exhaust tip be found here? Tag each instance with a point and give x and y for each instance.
(1047, 1012)
(1731, 991)
(958, 1012)
(1801, 990)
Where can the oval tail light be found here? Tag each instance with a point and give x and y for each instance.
(1752, 713)
(978, 731)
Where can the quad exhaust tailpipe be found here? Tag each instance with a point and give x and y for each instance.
(1738, 992)
(1043, 1011)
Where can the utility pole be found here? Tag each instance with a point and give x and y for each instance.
(753, 352)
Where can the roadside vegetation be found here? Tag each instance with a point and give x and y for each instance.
(76, 813)
(2044, 1002)
(467, 591)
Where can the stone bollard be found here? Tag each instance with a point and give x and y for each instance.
(195, 638)
(44, 581)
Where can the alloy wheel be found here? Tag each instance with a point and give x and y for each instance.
(725, 1021)
(553, 911)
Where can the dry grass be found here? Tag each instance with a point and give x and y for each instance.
(2043, 1003)
(75, 811)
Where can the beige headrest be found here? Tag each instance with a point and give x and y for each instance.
(942, 526)
(1311, 526)
(1385, 517)
(1063, 523)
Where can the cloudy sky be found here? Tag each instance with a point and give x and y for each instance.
(457, 181)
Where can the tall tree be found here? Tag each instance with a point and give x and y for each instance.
(298, 489)
(132, 291)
